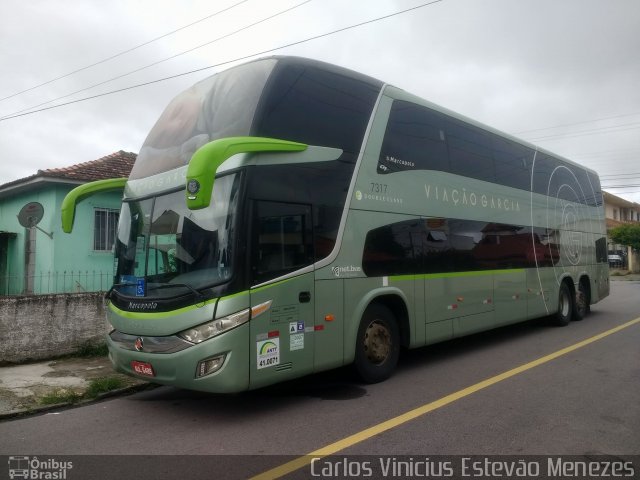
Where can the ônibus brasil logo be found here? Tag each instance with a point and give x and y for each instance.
(35, 468)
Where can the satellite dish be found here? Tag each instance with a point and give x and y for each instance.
(31, 214)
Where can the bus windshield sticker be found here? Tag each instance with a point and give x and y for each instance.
(141, 287)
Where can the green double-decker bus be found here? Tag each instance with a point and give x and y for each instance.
(288, 216)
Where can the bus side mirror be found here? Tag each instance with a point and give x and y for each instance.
(68, 209)
(204, 163)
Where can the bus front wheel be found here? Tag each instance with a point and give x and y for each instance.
(377, 344)
(565, 306)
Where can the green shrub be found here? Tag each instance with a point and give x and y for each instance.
(103, 385)
(59, 396)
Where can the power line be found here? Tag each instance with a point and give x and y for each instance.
(619, 165)
(630, 154)
(632, 126)
(609, 152)
(577, 123)
(619, 186)
(245, 57)
(608, 156)
(606, 160)
(619, 174)
(123, 52)
(612, 161)
(156, 63)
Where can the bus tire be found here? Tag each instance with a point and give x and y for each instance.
(377, 344)
(565, 306)
(581, 307)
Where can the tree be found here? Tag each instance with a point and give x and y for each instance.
(627, 234)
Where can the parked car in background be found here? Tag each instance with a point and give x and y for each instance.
(615, 260)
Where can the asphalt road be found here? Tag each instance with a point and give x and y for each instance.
(582, 402)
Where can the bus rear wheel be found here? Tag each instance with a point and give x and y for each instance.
(377, 344)
(582, 303)
(565, 306)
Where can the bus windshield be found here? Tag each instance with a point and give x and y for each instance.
(171, 247)
(220, 106)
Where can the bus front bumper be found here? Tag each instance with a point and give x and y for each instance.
(183, 368)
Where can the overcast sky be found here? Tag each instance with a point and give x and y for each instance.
(563, 74)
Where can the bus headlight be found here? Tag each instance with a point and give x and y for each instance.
(215, 327)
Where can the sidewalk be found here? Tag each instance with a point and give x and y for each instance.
(41, 386)
(623, 275)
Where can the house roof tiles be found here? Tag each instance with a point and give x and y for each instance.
(115, 165)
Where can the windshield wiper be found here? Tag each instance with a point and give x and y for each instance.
(107, 295)
(198, 295)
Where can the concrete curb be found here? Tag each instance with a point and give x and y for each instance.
(631, 277)
(39, 410)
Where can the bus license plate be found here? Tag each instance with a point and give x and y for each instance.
(143, 368)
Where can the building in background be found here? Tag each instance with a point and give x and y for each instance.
(619, 211)
(36, 257)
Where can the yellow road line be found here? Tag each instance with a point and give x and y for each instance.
(363, 435)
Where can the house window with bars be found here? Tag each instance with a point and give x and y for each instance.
(104, 229)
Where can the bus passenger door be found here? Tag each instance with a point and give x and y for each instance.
(281, 342)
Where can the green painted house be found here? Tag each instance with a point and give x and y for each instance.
(36, 256)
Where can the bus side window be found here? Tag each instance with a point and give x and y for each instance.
(414, 140)
(601, 250)
(470, 151)
(513, 163)
(595, 198)
(394, 249)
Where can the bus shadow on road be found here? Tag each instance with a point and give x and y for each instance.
(335, 385)
(458, 348)
(341, 384)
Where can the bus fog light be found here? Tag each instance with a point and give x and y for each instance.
(215, 327)
(210, 365)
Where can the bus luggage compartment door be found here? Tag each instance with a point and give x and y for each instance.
(466, 299)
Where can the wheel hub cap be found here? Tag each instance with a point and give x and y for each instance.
(377, 342)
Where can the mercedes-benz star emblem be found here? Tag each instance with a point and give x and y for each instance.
(193, 186)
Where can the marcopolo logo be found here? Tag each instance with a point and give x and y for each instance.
(35, 468)
(143, 305)
(346, 271)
